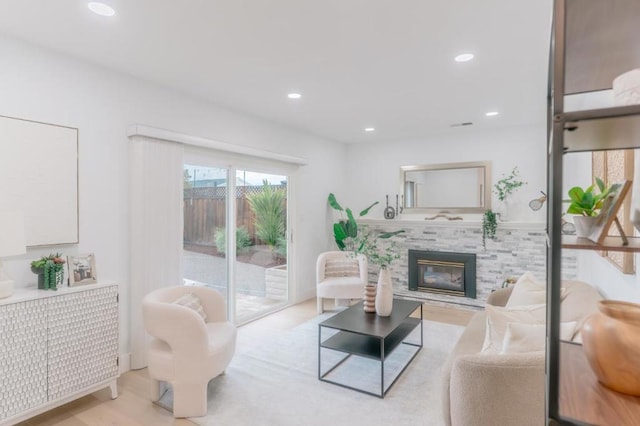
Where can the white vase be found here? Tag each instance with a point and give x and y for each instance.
(584, 225)
(503, 210)
(384, 294)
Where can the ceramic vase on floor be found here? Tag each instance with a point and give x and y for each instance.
(611, 341)
(384, 296)
(369, 298)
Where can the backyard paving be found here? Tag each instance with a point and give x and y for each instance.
(205, 269)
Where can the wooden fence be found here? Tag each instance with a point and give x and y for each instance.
(205, 212)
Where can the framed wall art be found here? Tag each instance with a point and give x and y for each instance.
(39, 176)
(82, 269)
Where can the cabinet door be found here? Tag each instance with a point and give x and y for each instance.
(83, 340)
(23, 359)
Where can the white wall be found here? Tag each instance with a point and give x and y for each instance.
(374, 170)
(40, 85)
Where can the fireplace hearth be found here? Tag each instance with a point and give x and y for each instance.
(443, 272)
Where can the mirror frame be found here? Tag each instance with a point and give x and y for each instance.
(486, 205)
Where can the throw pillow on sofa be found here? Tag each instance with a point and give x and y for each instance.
(529, 291)
(499, 317)
(523, 337)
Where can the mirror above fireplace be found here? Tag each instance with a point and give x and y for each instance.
(451, 187)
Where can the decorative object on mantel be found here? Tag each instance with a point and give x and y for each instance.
(586, 204)
(368, 245)
(12, 243)
(369, 299)
(50, 271)
(611, 342)
(389, 212)
(345, 231)
(626, 88)
(489, 226)
(537, 203)
(82, 269)
(504, 188)
(445, 216)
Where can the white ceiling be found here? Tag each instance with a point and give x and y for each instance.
(358, 63)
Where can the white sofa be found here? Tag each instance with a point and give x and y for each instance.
(504, 389)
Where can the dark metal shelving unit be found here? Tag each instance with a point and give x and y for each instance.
(592, 42)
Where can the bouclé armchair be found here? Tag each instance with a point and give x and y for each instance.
(187, 351)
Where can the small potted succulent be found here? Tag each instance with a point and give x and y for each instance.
(50, 271)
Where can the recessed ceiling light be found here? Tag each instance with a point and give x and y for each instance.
(369, 129)
(464, 57)
(294, 95)
(101, 9)
(492, 113)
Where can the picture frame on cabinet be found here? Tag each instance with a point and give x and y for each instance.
(82, 269)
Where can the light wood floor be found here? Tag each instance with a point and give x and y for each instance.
(132, 407)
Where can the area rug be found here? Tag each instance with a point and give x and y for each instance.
(273, 380)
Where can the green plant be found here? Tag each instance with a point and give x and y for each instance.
(243, 239)
(345, 231)
(508, 185)
(489, 226)
(381, 256)
(51, 267)
(269, 207)
(588, 202)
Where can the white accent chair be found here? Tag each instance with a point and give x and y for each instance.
(339, 275)
(186, 351)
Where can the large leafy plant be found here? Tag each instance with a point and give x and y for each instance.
(345, 230)
(588, 202)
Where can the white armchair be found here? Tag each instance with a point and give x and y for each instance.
(339, 275)
(187, 351)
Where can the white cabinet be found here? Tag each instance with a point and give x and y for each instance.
(56, 347)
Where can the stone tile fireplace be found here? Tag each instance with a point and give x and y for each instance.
(442, 272)
(519, 247)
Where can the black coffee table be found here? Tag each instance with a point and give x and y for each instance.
(370, 336)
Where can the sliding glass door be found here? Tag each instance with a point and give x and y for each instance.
(248, 264)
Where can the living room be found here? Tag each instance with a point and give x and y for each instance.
(65, 66)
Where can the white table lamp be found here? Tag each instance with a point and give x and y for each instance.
(12, 243)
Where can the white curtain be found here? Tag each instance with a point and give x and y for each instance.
(156, 228)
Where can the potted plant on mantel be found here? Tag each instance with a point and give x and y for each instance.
(586, 204)
(383, 257)
(504, 188)
(489, 226)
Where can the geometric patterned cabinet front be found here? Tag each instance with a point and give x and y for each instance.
(55, 347)
(83, 340)
(23, 356)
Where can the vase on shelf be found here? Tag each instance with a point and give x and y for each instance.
(369, 298)
(611, 342)
(584, 225)
(384, 293)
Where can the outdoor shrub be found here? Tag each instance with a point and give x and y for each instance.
(269, 208)
(243, 240)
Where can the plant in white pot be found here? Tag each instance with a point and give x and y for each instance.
(585, 204)
(383, 257)
(504, 188)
